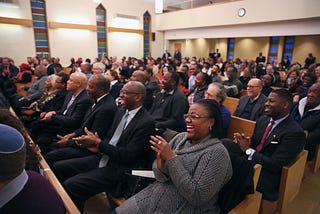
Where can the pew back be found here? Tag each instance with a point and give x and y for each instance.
(231, 103)
(241, 125)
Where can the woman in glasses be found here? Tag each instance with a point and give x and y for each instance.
(190, 170)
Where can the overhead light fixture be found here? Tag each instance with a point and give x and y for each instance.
(158, 6)
(97, 1)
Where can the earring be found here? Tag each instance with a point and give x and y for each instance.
(210, 128)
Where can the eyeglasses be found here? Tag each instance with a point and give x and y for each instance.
(252, 86)
(194, 116)
(129, 92)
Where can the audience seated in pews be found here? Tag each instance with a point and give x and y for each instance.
(276, 142)
(169, 105)
(251, 106)
(68, 118)
(307, 114)
(125, 147)
(98, 119)
(217, 92)
(23, 191)
(190, 170)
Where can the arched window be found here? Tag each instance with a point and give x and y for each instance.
(40, 28)
(101, 15)
(146, 34)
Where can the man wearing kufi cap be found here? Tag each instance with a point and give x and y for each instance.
(22, 191)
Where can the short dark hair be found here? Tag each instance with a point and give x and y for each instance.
(102, 82)
(285, 95)
(214, 111)
(174, 76)
(64, 77)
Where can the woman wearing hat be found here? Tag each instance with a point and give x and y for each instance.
(24, 75)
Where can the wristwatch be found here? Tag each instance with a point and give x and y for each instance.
(250, 153)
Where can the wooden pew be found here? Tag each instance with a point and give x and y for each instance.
(251, 203)
(241, 125)
(291, 178)
(48, 173)
(243, 92)
(67, 70)
(231, 104)
(316, 162)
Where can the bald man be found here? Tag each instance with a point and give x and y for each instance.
(251, 106)
(68, 118)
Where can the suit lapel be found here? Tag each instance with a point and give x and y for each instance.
(273, 136)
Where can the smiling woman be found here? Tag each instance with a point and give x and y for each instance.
(190, 170)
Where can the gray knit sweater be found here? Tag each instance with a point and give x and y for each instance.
(189, 183)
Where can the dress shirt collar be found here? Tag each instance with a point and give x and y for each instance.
(13, 188)
(131, 115)
(113, 82)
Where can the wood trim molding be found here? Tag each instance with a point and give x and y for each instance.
(125, 30)
(72, 26)
(16, 21)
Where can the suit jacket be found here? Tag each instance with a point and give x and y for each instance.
(281, 147)
(257, 110)
(99, 118)
(72, 119)
(133, 147)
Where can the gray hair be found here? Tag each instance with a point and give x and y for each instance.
(221, 91)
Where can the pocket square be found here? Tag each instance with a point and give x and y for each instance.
(274, 142)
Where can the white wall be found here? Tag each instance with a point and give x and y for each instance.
(18, 42)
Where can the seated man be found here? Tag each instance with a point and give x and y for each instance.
(125, 147)
(98, 118)
(277, 140)
(68, 118)
(169, 105)
(307, 114)
(251, 106)
(23, 191)
(233, 84)
(34, 92)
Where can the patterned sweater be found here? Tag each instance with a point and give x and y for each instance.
(189, 183)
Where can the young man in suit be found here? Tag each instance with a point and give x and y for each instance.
(67, 119)
(251, 106)
(126, 147)
(98, 119)
(277, 140)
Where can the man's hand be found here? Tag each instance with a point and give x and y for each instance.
(90, 140)
(48, 115)
(64, 139)
(242, 140)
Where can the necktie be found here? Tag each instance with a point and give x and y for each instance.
(264, 137)
(69, 104)
(115, 138)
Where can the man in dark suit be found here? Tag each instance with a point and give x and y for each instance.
(251, 106)
(260, 59)
(98, 119)
(125, 147)
(177, 55)
(67, 119)
(166, 55)
(277, 140)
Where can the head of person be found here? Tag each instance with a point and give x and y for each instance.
(202, 79)
(12, 154)
(61, 80)
(232, 72)
(97, 86)
(170, 80)
(149, 72)
(216, 91)
(182, 78)
(24, 66)
(294, 74)
(139, 76)
(44, 62)
(254, 87)
(85, 67)
(57, 67)
(269, 69)
(308, 79)
(77, 82)
(313, 96)
(246, 72)
(267, 80)
(215, 69)
(50, 82)
(5, 61)
(112, 75)
(98, 68)
(132, 95)
(184, 69)
(193, 69)
(40, 70)
(278, 103)
(203, 119)
(317, 72)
